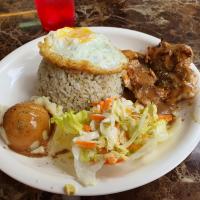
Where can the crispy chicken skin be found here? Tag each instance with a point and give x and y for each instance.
(167, 56)
(141, 80)
(162, 75)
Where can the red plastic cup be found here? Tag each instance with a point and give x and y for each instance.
(55, 14)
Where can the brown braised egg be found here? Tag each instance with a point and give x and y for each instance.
(27, 127)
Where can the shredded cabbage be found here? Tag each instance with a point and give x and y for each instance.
(53, 108)
(85, 171)
(160, 131)
(126, 129)
(60, 141)
(71, 122)
(85, 136)
(109, 131)
(138, 128)
(144, 150)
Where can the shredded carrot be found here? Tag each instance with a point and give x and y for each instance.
(101, 103)
(102, 150)
(95, 103)
(86, 144)
(86, 128)
(97, 117)
(120, 160)
(166, 117)
(111, 160)
(106, 105)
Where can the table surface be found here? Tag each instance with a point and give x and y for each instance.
(173, 20)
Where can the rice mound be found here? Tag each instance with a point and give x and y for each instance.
(76, 90)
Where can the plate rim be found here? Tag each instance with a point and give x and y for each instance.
(20, 176)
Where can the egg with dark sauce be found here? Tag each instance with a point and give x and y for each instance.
(27, 127)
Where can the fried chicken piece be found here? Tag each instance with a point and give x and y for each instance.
(148, 94)
(166, 56)
(162, 76)
(168, 60)
(137, 73)
(171, 64)
(140, 75)
(140, 79)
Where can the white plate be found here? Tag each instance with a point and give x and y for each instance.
(17, 80)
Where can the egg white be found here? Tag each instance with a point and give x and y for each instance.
(82, 44)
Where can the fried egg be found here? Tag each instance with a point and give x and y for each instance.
(82, 49)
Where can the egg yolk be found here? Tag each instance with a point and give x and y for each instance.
(82, 34)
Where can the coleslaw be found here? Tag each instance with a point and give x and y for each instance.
(111, 132)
